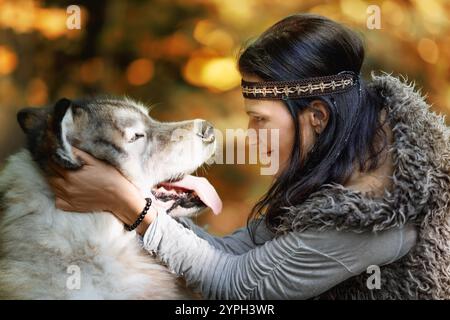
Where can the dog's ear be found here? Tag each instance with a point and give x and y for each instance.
(61, 118)
(47, 133)
(31, 119)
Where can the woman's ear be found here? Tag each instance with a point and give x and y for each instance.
(319, 115)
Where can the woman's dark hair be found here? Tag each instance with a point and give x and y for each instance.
(304, 46)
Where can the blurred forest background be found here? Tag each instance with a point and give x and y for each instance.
(180, 55)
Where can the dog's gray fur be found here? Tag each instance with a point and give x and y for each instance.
(38, 243)
(421, 195)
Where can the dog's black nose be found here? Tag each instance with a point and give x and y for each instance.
(206, 131)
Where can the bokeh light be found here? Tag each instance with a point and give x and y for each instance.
(216, 73)
(8, 60)
(428, 50)
(140, 72)
(92, 70)
(37, 93)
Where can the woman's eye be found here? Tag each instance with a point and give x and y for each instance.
(137, 136)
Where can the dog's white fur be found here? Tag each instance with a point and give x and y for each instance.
(40, 239)
(41, 246)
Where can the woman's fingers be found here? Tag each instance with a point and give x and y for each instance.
(97, 186)
(56, 169)
(56, 182)
(204, 190)
(63, 204)
(85, 157)
(58, 185)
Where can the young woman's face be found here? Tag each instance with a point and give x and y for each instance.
(273, 114)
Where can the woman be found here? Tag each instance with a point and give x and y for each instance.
(363, 180)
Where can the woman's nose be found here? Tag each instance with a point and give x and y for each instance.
(252, 135)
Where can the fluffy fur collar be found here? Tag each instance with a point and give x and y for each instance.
(421, 194)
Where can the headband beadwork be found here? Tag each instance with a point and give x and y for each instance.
(281, 90)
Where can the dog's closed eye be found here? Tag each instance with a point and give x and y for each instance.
(136, 136)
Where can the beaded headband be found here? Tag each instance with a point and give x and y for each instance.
(282, 90)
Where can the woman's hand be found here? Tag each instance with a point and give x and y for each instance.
(98, 186)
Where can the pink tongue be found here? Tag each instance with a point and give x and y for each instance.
(204, 190)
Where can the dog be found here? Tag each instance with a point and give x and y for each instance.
(43, 249)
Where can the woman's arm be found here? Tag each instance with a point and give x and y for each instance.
(238, 242)
(293, 266)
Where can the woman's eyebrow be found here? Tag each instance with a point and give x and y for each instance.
(251, 112)
(258, 115)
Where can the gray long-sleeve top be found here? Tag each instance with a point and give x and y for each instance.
(293, 266)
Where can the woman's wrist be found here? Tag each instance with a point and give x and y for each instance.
(148, 219)
(129, 209)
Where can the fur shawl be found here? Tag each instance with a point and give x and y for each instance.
(420, 194)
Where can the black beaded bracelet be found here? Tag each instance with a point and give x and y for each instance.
(141, 216)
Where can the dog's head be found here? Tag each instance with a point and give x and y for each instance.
(121, 132)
